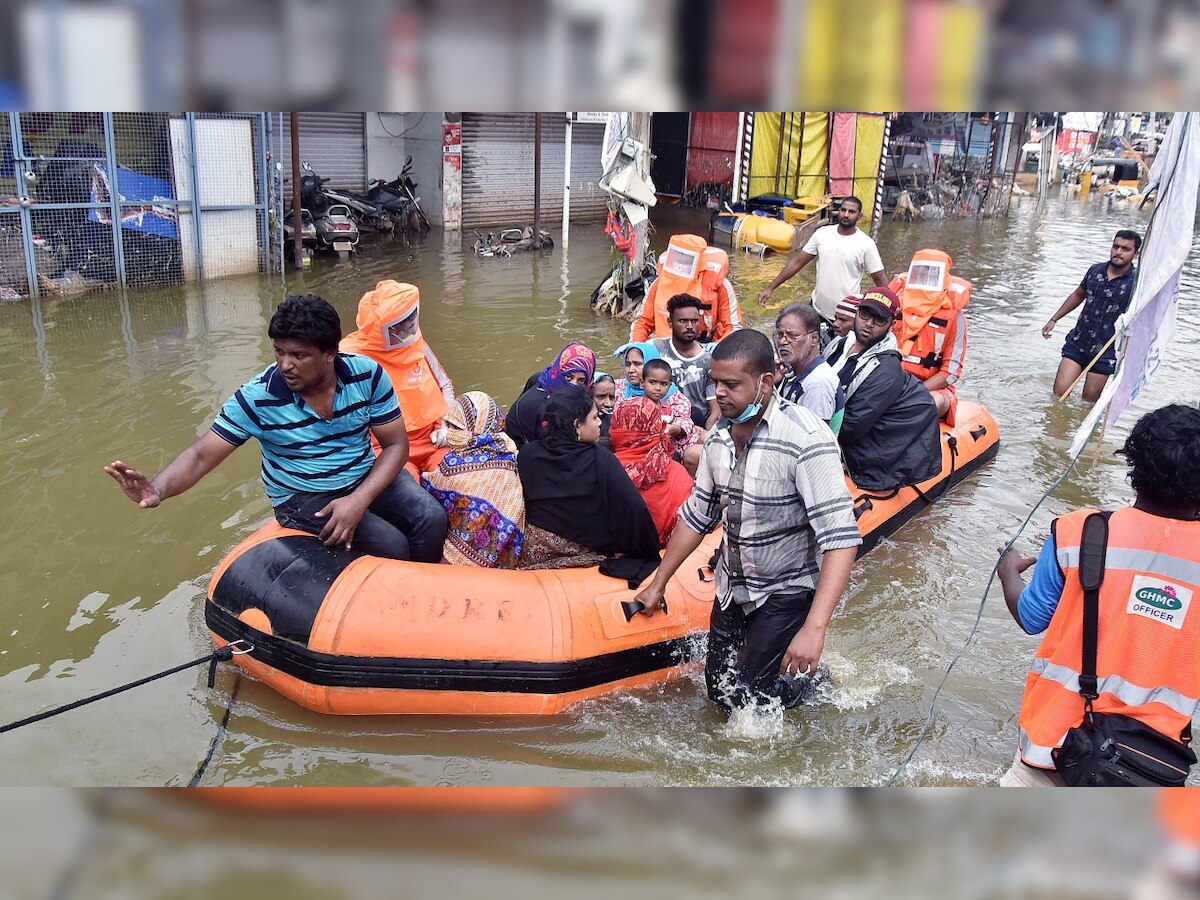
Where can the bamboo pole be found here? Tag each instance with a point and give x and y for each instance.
(1087, 369)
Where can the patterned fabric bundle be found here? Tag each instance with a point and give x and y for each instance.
(478, 485)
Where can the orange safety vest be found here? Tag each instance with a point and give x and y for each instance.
(1147, 663)
(420, 382)
(690, 266)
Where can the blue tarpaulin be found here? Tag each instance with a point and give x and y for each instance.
(147, 203)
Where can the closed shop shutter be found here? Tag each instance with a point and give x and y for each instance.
(333, 144)
(587, 200)
(497, 185)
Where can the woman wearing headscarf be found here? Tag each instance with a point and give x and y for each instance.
(644, 450)
(675, 404)
(476, 481)
(580, 506)
(574, 365)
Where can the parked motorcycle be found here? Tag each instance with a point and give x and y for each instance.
(399, 198)
(336, 230)
(363, 210)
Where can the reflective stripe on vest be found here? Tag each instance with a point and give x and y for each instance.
(1149, 629)
(1036, 754)
(1127, 692)
(1171, 567)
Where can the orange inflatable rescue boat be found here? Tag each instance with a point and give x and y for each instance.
(339, 632)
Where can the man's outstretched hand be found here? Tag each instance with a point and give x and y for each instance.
(137, 487)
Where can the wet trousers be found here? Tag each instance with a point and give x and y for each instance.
(745, 651)
(403, 522)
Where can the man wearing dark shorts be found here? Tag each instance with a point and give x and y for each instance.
(1105, 293)
(312, 413)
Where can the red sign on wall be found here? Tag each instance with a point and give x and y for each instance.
(452, 134)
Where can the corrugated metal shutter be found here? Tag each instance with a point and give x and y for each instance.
(333, 144)
(498, 170)
(587, 200)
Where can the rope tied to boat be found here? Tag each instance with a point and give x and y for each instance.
(221, 654)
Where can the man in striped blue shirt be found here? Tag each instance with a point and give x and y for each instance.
(313, 413)
(772, 475)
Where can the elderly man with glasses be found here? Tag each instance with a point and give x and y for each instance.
(808, 380)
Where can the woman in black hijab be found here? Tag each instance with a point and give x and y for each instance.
(580, 506)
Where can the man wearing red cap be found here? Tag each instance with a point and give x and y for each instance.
(889, 434)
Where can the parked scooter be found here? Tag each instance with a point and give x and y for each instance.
(308, 230)
(336, 230)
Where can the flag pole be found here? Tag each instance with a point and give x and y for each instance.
(1100, 437)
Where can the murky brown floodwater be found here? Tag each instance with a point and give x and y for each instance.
(98, 593)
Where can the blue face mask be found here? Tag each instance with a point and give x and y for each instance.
(750, 411)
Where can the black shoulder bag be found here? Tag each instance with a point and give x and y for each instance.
(1109, 750)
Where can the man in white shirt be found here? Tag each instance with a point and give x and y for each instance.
(844, 254)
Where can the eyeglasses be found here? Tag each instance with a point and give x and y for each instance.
(791, 336)
(872, 316)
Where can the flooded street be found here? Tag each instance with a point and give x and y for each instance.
(98, 592)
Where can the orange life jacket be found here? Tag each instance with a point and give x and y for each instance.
(1147, 662)
(690, 266)
(421, 384)
(932, 327)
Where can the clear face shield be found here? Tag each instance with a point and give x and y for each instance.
(927, 276)
(401, 332)
(681, 262)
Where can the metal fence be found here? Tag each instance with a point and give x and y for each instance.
(93, 200)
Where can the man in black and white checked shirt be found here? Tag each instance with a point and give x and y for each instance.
(771, 473)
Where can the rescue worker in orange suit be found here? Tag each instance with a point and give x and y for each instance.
(1147, 659)
(389, 331)
(690, 266)
(932, 330)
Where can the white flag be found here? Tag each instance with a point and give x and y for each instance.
(1149, 322)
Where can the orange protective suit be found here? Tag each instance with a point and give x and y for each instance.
(690, 266)
(932, 330)
(389, 331)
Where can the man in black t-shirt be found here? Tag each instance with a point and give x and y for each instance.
(1105, 293)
